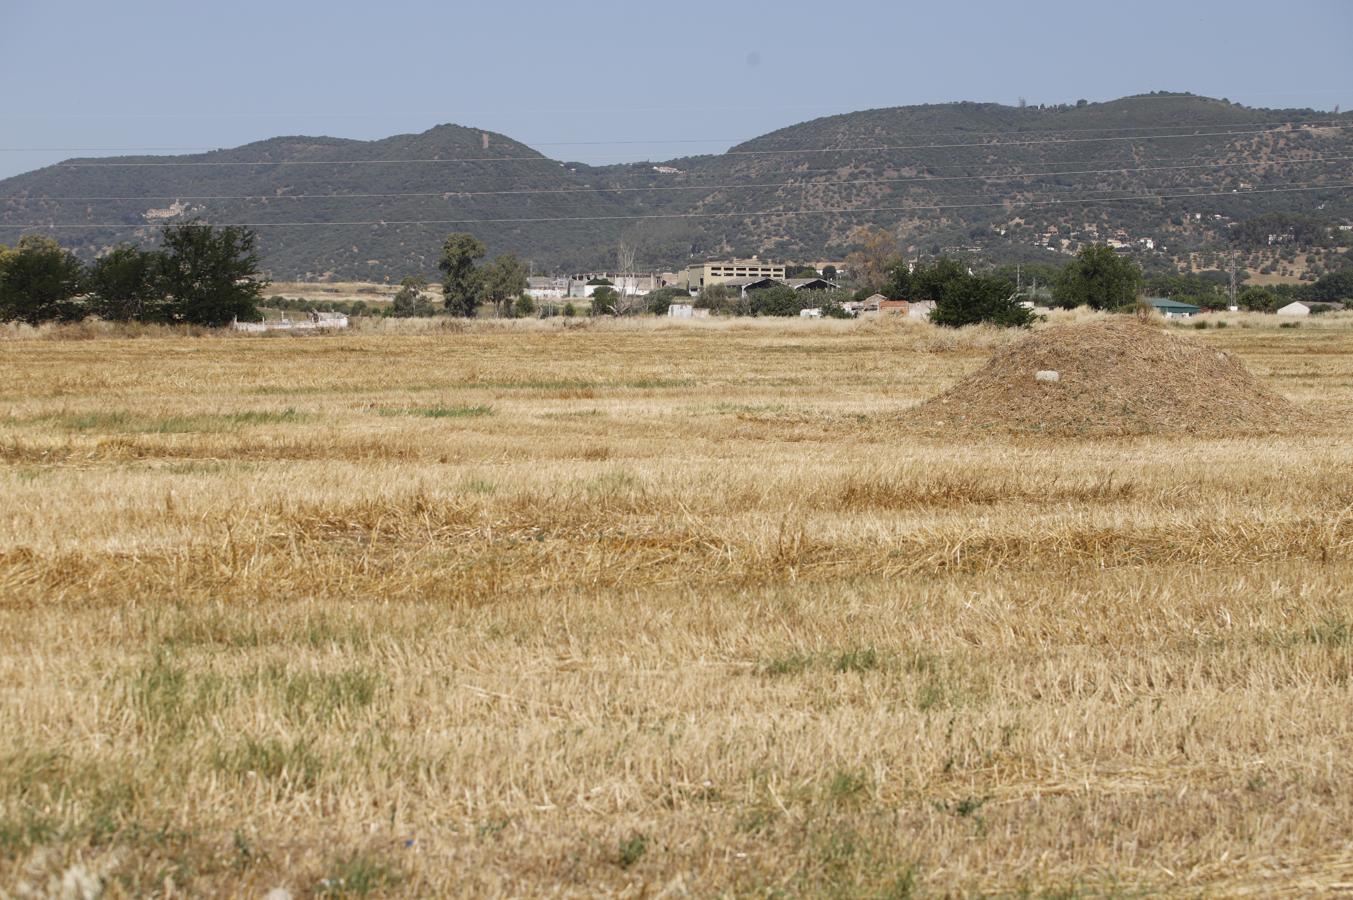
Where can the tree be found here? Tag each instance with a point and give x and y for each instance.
(973, 299)
(930, 282)
(658, 301)
(502, 281)
(208, 275)
(1258, 299)
(877, 257)
(525, 307)
(1099, 278)
(124, 285)
(460, 278)
(829, 273)
(409, 300)
(780, 300)
(628, 302)
(603, 300)
(39, 281)
(898, 285)
(715, 296)
(1334, 286)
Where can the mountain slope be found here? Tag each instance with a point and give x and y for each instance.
(967, 174)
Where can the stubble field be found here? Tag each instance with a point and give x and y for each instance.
(677, 610)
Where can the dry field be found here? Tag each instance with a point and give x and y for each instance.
(658, 610)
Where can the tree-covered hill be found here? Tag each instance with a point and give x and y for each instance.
(1013, 182)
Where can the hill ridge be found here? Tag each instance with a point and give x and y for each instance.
(987, 194)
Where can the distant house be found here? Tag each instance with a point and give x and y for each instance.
(920, 309)
(1173, 309)
(810, 313)
(894, 307)
(1306, 307)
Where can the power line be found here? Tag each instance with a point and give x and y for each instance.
(454, 194)
(711, 215)
(444, 114)
(648, 141)
(728, 153)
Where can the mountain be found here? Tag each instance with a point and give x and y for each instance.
(980, 176)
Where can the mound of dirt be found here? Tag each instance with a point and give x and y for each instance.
(1119, 377)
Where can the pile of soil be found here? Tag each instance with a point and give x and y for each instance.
(1119, 377)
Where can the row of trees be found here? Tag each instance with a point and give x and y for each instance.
(199, 275)
(466, 283)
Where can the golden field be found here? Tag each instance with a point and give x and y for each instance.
(652, 609)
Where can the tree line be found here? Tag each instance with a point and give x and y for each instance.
(198, 275)
(205, 275)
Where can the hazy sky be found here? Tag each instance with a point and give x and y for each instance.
(609, 81)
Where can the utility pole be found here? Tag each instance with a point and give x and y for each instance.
(1231, 291)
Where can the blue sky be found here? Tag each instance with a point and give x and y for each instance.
(575, 80)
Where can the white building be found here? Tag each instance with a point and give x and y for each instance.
(547, 288)
(920, 309)
(1306, 307)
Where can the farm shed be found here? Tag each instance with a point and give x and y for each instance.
(1173, 309)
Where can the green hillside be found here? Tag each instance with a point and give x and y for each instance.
(991, 170)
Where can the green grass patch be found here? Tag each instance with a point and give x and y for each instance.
(439, 412)
(293, 763)
(632, 850)
(358, 876)
(122, 422)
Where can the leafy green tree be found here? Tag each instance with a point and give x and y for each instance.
(570, 310)
(1098, 278)
(1335, 286)
(780, 300)
(930, 282)
(502, 281)
(658, 301)
(898, 285)
(460, 278)
(209, 275)
(604, 300)
(409, 300)
(124, 285)
(829, 273)
(39, 281)
(525, 307)
(972, 299)
(1258, 299)
(715, 296)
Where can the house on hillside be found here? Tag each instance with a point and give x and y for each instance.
(1307, 307)
(1173, 309)
(894, 307)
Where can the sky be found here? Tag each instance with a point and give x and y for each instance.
(608, 81)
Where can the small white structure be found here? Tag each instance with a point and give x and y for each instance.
(681, 310)
(810, 313)
(547, 288)
(313, 321)
(1295, 309)
(920, 309)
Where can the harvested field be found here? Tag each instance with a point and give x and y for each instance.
(663, 609)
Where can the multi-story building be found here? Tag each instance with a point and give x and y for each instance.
(700, 276)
